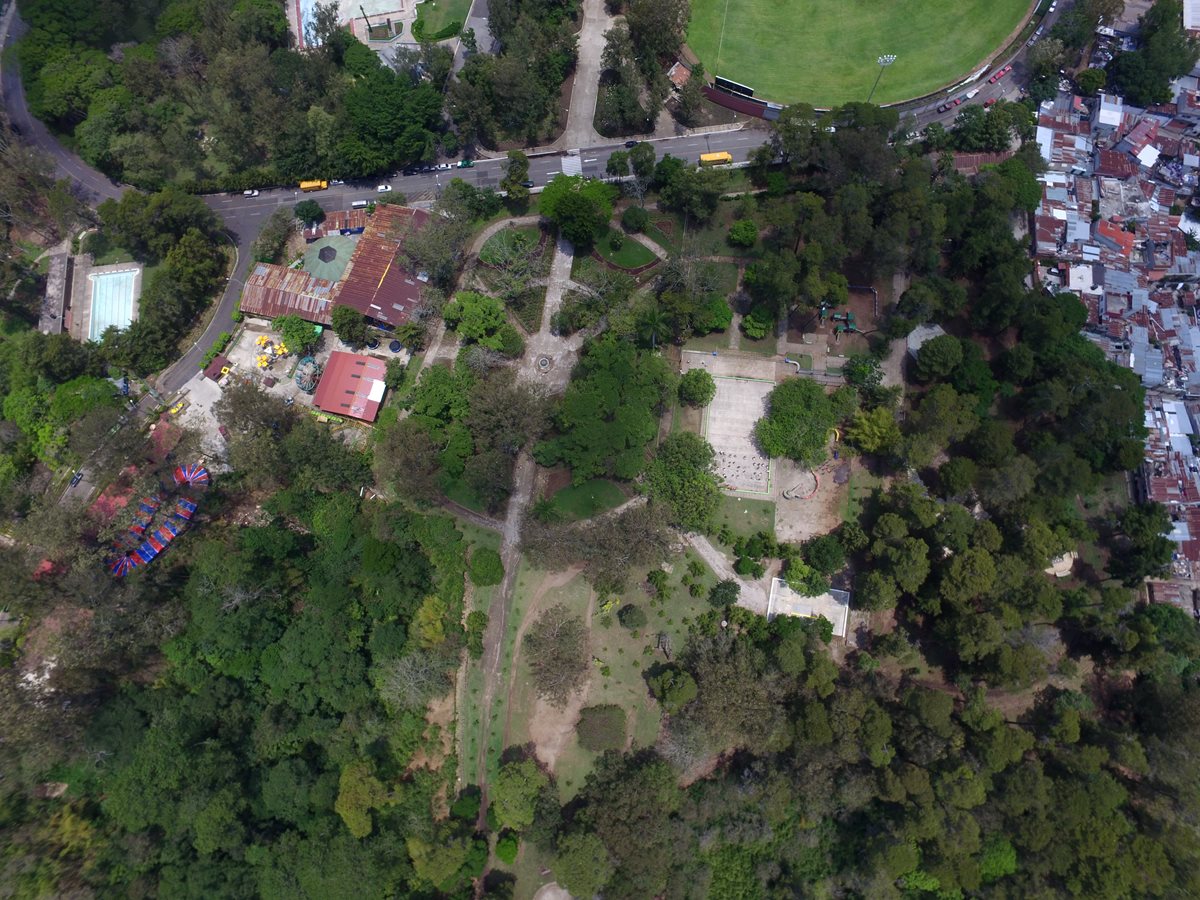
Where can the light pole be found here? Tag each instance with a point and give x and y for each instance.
(884, 61)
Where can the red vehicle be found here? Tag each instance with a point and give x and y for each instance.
(1000, 73)
(990, 101)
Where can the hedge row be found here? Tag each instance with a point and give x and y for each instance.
(215, 349)
(242, 181)
(418, 32)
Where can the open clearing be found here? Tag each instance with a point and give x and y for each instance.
(823, 51)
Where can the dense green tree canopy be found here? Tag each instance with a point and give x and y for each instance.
(608, 417)
(799, 418)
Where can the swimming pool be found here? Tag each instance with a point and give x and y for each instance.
(112, 300)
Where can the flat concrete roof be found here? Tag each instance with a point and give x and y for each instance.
(834, 605)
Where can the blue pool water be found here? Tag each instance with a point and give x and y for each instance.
(112, 301)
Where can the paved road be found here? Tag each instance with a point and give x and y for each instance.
(244, 216)
(579, 131)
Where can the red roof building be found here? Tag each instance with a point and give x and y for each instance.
(351, 385)
(376, 283)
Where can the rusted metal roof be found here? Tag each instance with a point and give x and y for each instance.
(273, 290)
(375, 283)
(336, 222)
(351, 385)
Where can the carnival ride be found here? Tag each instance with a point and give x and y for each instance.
(140, 549)
(308, 373)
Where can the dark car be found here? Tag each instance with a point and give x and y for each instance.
(527, 184)
(945, 106)
(411, 170)
(76, 478)
(629, 144)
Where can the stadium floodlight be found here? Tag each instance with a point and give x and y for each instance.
(884, 61)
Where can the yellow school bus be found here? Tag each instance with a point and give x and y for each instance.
(307, 186)
(716, 159)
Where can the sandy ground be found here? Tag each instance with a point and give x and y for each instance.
(800, 519)
(550, 727)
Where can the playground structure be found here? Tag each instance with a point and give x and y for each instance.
(140, 550)
(308, 373)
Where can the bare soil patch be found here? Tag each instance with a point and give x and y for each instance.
(551, 728)
(798, 520)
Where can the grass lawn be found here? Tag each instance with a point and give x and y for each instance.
(620, 656)
(582, 501)
(669, 242)
(725, 277)
(631, 255)
(481, 599)
(824, 53)
(745, 517)
(501, 244)
(438, 14)
(458, 491)
(862, 483)
(528, 308)
(116, 255)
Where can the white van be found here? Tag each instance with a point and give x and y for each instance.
(360, 204)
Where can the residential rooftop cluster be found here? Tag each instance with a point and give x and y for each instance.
(1113, 228)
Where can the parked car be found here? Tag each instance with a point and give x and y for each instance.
(1054, 6)
(442, 167)
(466, 163)
(411, 170)
(249, 193)
(944, 107)
(629, 144)
(383, 189)
(78, 477)
(989, 102)
(527, 184)
(337, 182)
(223, 431)
(998, 74)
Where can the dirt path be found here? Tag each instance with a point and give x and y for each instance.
(560, 352)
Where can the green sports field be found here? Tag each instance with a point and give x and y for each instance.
(823, 52)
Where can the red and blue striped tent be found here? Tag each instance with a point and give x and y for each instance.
(196, 474)
(121, 566)
(146, 552)
(184, 508)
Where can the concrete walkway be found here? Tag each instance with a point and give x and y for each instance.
(586, 90)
